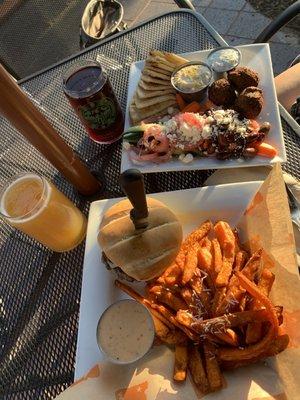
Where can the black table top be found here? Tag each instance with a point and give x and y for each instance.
(39, 289)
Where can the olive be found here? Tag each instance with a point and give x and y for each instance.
(265, 128)
(249, 152)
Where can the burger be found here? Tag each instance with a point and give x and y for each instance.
(139, 254)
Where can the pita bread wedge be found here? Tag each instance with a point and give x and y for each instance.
(155, 74)
(137, 115)
(152, 80)
(155, 68)
(146, 94)
(159, 57)
(134, 113)
(161, 64)
(170, 57)
(153, 87)
(144, 103)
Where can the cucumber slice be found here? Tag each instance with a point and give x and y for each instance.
(138, 128)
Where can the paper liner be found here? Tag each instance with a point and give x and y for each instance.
(266, 223)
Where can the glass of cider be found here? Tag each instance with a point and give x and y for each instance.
(36, 207)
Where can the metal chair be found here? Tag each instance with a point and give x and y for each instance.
(286, 16)
(281, 20)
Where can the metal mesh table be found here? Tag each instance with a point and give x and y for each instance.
(39, 289)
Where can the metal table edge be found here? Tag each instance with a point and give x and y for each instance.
(201, 19)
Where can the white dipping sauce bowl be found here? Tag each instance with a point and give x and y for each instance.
(123, 327)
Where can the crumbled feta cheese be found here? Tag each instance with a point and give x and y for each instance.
(240, 129)
(219, 115)
(170, 125)
(126, 145)
(206, 131)
(187, 158)
(226, 120)
(164, 119)
(209, 120)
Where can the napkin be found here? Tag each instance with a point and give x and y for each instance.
(266, 222)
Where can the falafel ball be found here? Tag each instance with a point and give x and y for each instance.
(221, 93)
(242, 77)
(249, 103)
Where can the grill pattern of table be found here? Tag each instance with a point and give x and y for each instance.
(39, 289)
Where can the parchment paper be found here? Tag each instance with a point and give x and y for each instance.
(266, 223)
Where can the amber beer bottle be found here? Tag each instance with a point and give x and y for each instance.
(90, 93)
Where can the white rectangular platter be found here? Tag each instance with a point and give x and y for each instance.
(192, 207)
(256, 56)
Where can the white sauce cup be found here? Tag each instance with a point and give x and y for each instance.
(103, 328)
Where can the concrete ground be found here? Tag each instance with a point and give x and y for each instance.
(237, 21)
(35, 34)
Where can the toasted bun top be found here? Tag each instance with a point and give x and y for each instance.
(143, 254)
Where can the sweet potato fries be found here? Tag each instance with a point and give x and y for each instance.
(212, 304)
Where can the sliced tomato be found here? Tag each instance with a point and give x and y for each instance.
(191, 119)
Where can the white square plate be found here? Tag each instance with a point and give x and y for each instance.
(226, 202)
(256, 56)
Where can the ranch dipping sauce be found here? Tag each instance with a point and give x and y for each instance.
(125, 331)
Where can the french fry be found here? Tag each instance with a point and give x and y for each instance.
(279, 313)
(217, 300)
(213, 371)
(206, 243)
(226, 270)
(254, 291)
(217, 257)
(277, 345)
(181, 362)
(254, 350)
(170, 317)
(190, 264)
(242, 303)
(224, 235)
(253, 267)
(197, 369)
(188, 296)
(136, 296)
(196, 235)
(167, 297)
(241, 258)
(196, 282)
(214, 294)
(254, 329)
(231, 301)
(226, 239)
(161, 329)
(220, 324)
(185, 318)
(171, 275)
(235, 294)
(229, 337)
(205, 258)
(167, 335)
(250, 352)
(199, 304)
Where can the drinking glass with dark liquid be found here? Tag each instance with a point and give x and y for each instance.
(90, 93)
